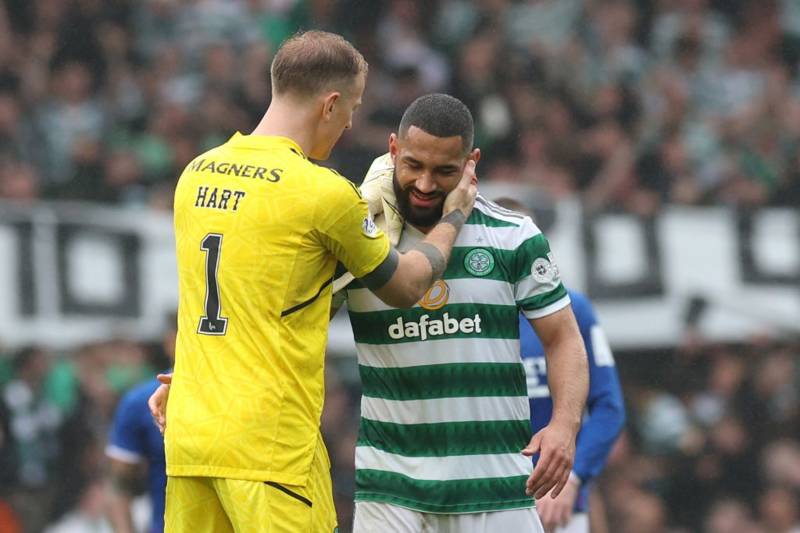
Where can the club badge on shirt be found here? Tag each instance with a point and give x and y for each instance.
(479, 262)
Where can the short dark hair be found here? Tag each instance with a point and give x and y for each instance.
(440, 115)
(310, 62)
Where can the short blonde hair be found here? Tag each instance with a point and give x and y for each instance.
(314, 61)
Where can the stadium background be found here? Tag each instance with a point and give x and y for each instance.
(658, 141)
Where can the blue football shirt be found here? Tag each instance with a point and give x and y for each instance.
(135, 439)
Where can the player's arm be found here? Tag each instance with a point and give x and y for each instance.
(125, 455)
(606, 416)
(341, 280)
(123, 481)
(400, 280)
(605, 404)
(413, 272)
(544, 301)
(568, 378)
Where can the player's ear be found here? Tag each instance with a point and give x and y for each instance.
(475, 155)
(393, 146)
(329, 104)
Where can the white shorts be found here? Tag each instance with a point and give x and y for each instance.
(374, 517)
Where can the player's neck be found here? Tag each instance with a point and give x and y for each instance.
(283, 119)
(422, 229)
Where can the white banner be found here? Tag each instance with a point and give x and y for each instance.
(74, 273)
(729, 275)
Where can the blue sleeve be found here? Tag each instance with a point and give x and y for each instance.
(606, 410)
(127, 441)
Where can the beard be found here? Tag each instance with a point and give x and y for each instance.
(423, 217)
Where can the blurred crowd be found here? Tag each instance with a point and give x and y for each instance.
(712, 441)
(625, 104)
(55, 415)
(711, 444)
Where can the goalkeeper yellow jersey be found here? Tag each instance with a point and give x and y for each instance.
(259, 229)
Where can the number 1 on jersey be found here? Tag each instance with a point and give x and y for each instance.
(212, 323)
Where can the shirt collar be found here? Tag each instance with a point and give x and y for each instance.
(263, 142)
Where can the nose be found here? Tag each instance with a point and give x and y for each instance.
(425, 183)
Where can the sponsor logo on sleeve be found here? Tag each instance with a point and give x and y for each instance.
(369, 228)
(544, 270)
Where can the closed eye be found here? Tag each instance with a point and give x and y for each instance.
(447, 171)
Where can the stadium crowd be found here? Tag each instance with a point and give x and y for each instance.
(627, 105)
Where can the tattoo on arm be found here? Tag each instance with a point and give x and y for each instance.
(434, 257)
(455, 218)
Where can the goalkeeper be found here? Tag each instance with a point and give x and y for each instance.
(259, 229)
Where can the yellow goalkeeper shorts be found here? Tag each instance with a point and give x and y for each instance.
(218, 505)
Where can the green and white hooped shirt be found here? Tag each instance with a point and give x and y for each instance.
(444, 407)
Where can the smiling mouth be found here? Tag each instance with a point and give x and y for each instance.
(424, 200)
